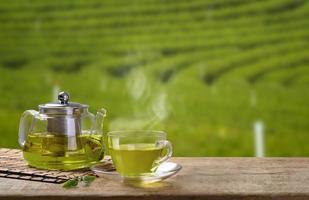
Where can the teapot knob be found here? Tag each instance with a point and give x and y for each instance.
(63, 97)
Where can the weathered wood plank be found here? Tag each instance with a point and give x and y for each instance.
(209, 178)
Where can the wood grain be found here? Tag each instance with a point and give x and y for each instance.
(200, 178)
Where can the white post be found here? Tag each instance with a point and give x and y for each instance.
(259, 138)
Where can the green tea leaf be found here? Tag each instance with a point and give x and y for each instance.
(88, 179)
(84, 180)
(70, 183)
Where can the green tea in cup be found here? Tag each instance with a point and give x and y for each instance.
(138, 153)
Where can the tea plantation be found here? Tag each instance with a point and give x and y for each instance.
(204, 71)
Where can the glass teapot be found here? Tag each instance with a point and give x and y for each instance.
(62, 136)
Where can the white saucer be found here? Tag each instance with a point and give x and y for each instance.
(164, 171)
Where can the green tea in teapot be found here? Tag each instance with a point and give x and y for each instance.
(61, 152)
(62, 135)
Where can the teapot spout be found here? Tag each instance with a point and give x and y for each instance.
(101, 113)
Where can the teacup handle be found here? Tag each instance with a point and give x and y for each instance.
(168, 146)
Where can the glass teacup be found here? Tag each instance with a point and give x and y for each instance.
(138, 153)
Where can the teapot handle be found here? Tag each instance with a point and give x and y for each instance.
(24, 126)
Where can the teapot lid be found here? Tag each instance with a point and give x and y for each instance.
(63, 107)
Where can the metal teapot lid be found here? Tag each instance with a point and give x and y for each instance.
(63, 107)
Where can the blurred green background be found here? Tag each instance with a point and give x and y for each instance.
(204, 71)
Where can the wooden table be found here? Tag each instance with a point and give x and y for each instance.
(200, 178)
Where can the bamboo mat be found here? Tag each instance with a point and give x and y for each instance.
(12, 165)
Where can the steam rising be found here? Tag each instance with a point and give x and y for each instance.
(150, 104)
(137, 84)
(159, 106)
